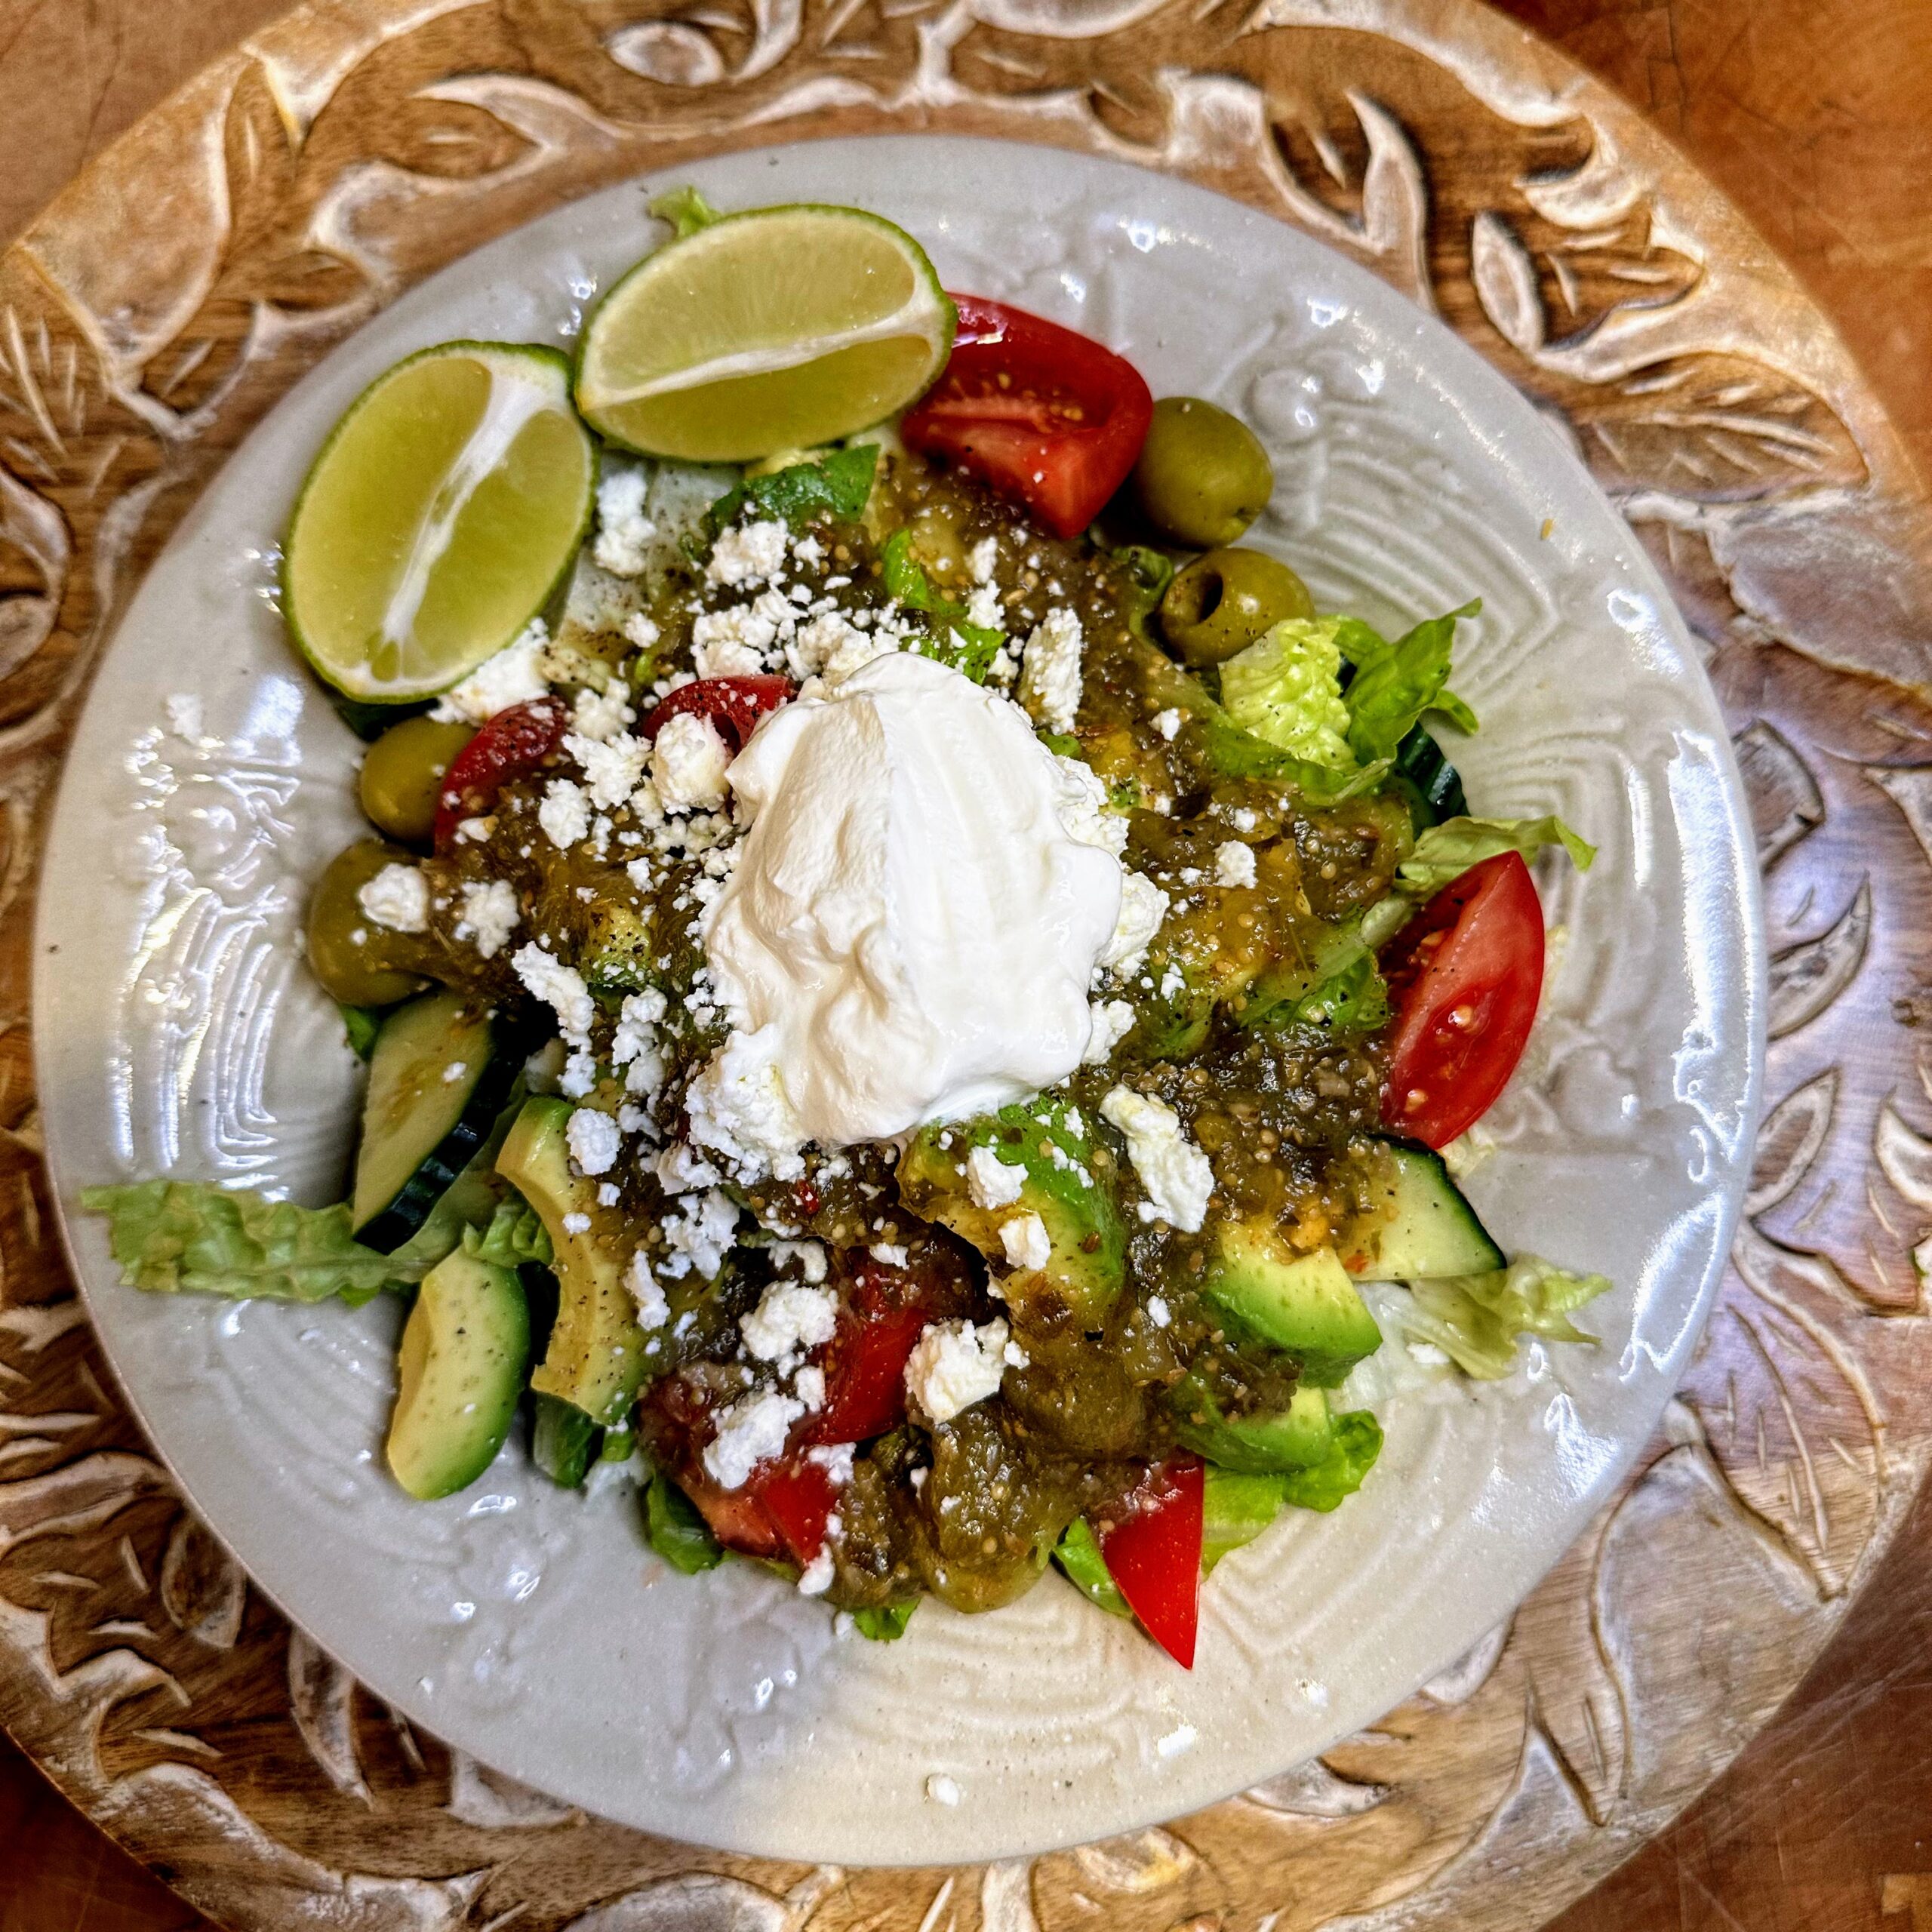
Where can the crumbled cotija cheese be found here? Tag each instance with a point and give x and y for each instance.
(991, 1181)
(954, 1364)
(397, 898)
(565, 813)
(790, 1318)
(1176, 1174)
(1142, 907)
(752, 1430)
(594, 1140)
(623, 531)
(489, 915)
(1050, 676)
(1025, 1240)
(517, 672)
(1234, 863)
(688, 762)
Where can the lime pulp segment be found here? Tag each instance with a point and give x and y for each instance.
(781, 328)
(438, 518)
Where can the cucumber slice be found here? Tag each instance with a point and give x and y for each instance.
(436, 1084)
(459, 1373)
(1430, 784)
(1423, 1229)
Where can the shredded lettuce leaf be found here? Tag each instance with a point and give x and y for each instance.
(1351, 1453)
(686, 209)
(361, 1024)
(676, 1531)
(967, 648)
(1476, 1319)
(1079, 1557)
(835, 485)
(192, 1236)
(1236, 1508)
(886, 1623)
(1394, 683)
(515, 1234)
(1354, 1000)
(1444, 852)
(1286, 687)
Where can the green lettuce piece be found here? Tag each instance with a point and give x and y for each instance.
(675, 1530)
(361, 1024)
(1232, 753)
(515, 1234)
(1356, 1443)
(193, 1237)
(1394, 683)
(1476, 1319)
(1354, 1000)
(563, 1440)
(884, 1623)
(1444, 852)
(686, 209)
(1235, 1509)
(1286, 687)
(835, 486)
(1149, 572)
(1079, 1557)
(967, 648)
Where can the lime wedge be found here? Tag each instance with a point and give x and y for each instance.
(438, 518)
(779, 329)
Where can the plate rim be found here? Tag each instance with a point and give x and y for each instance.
(1445, 342)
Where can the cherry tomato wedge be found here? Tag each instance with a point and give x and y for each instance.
(1154, 1555)
(1464, 978)
(1035, 410)
(511, 745)
(734, 705)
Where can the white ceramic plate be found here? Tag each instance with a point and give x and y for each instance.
(179, 1033)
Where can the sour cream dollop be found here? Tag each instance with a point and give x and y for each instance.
(911, 928)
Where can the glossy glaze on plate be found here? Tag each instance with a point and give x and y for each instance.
(530, 1626)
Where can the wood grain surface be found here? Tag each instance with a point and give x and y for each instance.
(1816, 117)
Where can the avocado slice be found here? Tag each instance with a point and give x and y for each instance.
(595, 1358)
(1306, 1304)
(459, 1373)
(1087, 1264)
(616, 954)
(1296, 1438)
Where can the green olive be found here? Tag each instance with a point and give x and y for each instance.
(1202, 476)
(402, 776)
(1222, 602)
(357, 961)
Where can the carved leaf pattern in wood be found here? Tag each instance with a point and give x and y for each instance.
(360, 147)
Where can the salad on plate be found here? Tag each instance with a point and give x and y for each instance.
(908, 975)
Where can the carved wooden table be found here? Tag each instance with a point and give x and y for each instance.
(349, 149)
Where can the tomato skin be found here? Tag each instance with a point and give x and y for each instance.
(734, 705)
(886, 1311)
(510, 746)
(782, 1508)
(1154, 1555)
(1038, 411)
(1465, 978)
